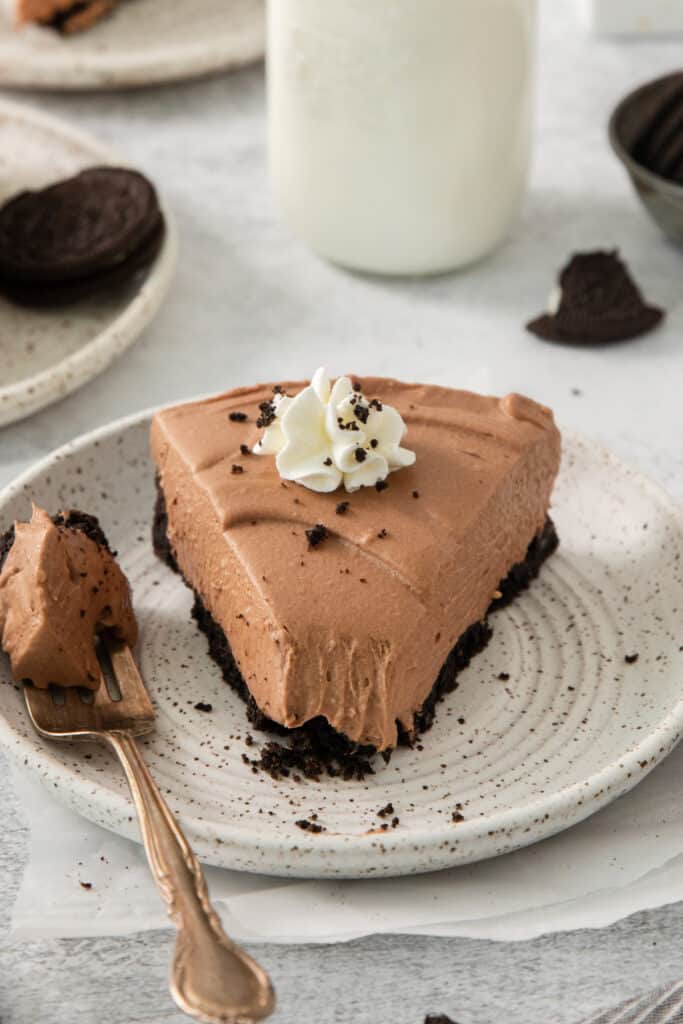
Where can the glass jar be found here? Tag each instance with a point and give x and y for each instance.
(399, 130)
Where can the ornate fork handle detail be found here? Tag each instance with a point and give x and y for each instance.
(212, 979)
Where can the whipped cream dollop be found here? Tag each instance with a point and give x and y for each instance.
(332, 434)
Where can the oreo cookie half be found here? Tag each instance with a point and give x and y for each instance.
(89, 223)
(597, 301)
(55, 295)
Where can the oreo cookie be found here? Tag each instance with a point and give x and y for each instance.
(52, 296)
(88, 232)
(597, 302)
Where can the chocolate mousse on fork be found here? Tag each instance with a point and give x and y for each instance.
(63, 596)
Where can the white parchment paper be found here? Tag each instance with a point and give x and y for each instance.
(626, 858)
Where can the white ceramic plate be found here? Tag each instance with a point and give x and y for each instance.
(140, 43)
(572, 728)
(47, 354)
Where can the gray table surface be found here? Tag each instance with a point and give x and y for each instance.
(250, 303)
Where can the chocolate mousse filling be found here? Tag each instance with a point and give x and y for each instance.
(60, 587)
(316, 748)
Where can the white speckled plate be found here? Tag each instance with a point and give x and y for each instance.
(47, 354)
(572, 728)
(142, 42)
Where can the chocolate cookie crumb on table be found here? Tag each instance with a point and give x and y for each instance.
(597, 301)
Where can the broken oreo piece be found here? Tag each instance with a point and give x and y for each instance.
(598, 303)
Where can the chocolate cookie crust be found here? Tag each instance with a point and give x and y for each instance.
(6, 542)
(316, 747)
(85, 523)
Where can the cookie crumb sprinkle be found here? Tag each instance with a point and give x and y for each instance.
(267, 415)
(238, 417)
(317, 534)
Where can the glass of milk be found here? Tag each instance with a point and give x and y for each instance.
(399, 130)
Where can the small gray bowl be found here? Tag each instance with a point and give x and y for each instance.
(663, 199)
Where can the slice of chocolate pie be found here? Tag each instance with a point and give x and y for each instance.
(344, 582)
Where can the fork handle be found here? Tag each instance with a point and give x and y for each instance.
(212, 979)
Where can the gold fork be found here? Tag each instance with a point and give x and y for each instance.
(212, 979)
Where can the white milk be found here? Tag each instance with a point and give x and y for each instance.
(400, 129)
